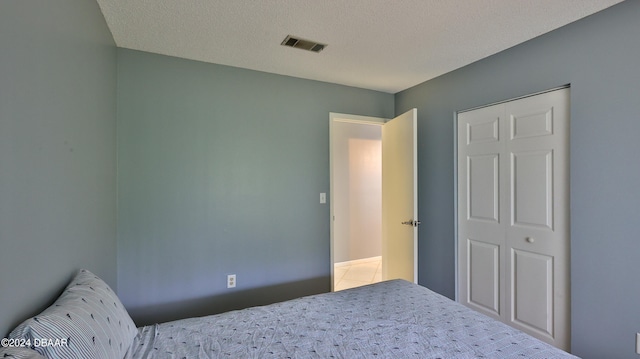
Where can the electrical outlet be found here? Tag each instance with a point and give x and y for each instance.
(231, 281)
(637, 343)
(323, 198)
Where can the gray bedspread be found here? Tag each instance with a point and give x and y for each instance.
(394, 319)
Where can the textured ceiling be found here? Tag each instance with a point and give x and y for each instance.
(382, 45)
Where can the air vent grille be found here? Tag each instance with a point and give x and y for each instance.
(299, 43)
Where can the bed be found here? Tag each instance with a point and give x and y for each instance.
(392, 319)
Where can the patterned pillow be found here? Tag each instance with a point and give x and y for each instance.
(86, 321)
(19, 353)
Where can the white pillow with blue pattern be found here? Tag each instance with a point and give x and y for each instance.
(86, 321)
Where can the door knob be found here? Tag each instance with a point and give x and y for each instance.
(412, 223)
(530, 239)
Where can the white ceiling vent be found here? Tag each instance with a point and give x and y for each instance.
(298, 43)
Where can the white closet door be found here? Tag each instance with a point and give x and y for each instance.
(481, 210)
(526, 252)
(538, 226)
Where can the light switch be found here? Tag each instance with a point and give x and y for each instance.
(323, 198)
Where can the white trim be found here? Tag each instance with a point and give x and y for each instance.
(455, 203)
(514, 99)
(342, 117)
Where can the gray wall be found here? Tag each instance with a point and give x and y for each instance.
(599, 57)
(57, 151)
(219, 172)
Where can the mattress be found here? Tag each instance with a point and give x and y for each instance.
(393, 319)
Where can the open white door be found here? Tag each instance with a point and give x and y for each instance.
(399, 198)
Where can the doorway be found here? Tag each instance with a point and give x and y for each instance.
(356, 202)
(398, 228)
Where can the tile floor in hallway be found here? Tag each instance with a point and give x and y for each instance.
(357, 273)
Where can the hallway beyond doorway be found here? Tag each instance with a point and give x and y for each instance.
(357, 273)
